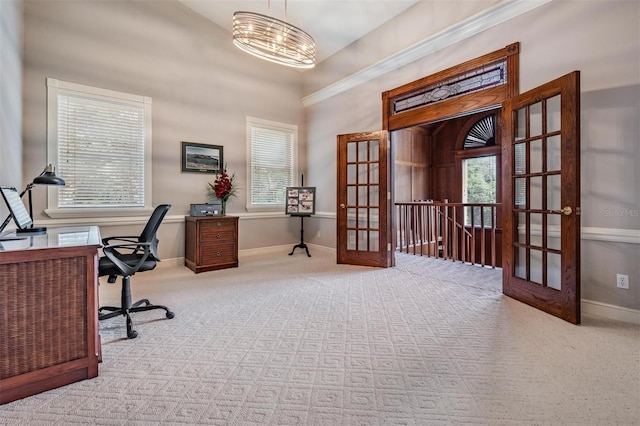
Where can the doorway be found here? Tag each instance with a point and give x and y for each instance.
(447, 189)
(540, 177)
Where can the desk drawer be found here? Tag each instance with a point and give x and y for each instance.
(216, 235)
(215, 225)
(211, 254)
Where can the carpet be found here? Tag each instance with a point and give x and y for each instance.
(292, 340)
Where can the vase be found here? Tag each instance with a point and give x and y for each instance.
(223, 207)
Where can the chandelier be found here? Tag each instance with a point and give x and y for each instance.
(274, 40)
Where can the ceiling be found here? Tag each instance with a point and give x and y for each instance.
(342, 21)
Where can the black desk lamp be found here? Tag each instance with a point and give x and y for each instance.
(47, 177)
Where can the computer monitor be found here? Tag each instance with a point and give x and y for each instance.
(17, 209)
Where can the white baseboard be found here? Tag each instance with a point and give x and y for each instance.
(282, 249)
(179, 261)
(170, 263)
(264, 250)
(611, 311)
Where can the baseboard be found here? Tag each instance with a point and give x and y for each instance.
(282, 249)
(179, 261)
(264, 250)
(170, 263)
(614, 312)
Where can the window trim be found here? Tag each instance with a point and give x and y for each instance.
(253, 121)
(55, 87)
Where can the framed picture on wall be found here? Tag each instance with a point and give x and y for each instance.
(201, 158)
(301, 200)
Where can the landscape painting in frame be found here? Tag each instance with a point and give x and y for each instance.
(201, 158)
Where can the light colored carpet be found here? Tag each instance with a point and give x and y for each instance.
(296, 340)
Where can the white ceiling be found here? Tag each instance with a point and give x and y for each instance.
(334, 24)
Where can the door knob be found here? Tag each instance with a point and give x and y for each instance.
(565, 211)
(342, 206)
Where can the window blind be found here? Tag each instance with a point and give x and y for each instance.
(520, 168)
(101, 144)
(272, 164)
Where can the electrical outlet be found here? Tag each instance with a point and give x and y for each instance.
(622, 281)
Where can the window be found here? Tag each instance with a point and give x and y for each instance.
(100, 141)
(478, 186)
(272, 150)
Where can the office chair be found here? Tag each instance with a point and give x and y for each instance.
(126, 255)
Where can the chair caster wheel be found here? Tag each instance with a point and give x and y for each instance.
(170, 315)
(132, 334)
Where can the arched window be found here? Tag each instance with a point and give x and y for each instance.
(482, 134)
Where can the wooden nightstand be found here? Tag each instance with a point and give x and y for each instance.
(211, 242)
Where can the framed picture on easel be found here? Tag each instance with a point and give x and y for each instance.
(301, 200)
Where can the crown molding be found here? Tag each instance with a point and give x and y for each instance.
(476, 24)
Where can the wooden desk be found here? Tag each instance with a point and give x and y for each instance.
(48, 311)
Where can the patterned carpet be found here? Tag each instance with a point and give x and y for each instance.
(286, 340)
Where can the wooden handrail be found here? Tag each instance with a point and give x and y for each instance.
(437, 229)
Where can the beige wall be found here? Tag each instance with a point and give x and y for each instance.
(599, 38)
(201, 85)
(10, 97)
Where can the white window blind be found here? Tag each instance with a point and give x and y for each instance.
(273, 162)
(520, 167)
(100, 153)
(101, 145)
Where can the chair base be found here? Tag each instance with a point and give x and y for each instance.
(127, 308)
(116, 311)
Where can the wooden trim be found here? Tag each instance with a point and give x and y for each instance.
(489, 98)
(512, 49)
(478, 152)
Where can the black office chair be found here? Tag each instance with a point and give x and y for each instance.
(126, 255)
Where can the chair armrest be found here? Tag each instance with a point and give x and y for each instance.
(126, 238)
(111, 252)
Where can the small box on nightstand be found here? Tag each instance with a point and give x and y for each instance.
(208, 209)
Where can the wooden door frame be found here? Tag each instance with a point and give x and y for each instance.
(454, 105)
(449, 107)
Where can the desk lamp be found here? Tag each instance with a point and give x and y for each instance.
(47, 177)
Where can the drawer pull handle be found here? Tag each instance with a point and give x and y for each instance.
(218, 235)
(217, 253)
(219, 223)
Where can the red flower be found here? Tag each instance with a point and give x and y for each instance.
(223, 186)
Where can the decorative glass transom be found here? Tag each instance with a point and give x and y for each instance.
(482, 78)
(482, 133)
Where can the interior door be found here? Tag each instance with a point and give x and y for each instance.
(363, 223)
(541, 197)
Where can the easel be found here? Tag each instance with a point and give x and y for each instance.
(301, 245)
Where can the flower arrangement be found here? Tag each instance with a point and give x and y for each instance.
(223, 188)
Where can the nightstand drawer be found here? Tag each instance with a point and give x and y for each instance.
(218, 253)
(217, 234)
(218, 224)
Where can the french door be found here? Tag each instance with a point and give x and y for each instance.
(363, 213)
(541, 197)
